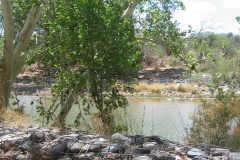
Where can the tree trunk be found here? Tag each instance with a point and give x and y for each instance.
(7, 62)
(13, 59)
(66, 105)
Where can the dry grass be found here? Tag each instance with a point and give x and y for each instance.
(141, 86)
(187, 88)
(97, 125)
(158, 87)
(12, 118)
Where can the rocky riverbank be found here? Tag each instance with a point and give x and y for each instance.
(68, 144)
(36, 82)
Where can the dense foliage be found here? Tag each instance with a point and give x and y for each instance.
(92, 48)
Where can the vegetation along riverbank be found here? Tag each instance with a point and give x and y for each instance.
(89, 57)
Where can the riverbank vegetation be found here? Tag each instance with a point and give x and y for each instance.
(158, 87)
(94, 51)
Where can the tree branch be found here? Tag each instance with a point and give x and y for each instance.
(24, 38)
(129, 11)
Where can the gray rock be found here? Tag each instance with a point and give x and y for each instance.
(65, 158)
(194, 152)
(58, 150)
(32, 129)
(37, 136)
(142, 158)
(203, 158)
(99, 140)
(149, 145)
(234, 156)
(141, 151)
(137, 139)
(161, 155)
(119, 137)
(74, 147)
(214, 158)
(114, 148)
(85, 156)
(27, 146)
(52, 135)
(154, 139)
(70, 137)
(22, 156)
(219, 151)
(90, 136)
(91, 148)
(45, 146)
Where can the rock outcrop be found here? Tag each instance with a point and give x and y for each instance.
(71, 144)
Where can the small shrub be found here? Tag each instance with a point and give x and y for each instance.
(194, 91)
(181, 88)
(213, 120)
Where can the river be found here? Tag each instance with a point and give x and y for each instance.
(147, 116)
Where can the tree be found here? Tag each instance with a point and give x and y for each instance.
(156, 25)
(94, 49)
(238, 19)
(93, 46)
(13, 58)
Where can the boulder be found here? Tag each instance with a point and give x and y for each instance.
(194, 152)
(117, 137)
(58, 150)
(137, 139)
(91, 148)
(113, 148)
(37, 136)
(74, 147)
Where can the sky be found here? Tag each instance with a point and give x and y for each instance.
(216, 14)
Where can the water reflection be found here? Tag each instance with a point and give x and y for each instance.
(148, 116)
(166, 118)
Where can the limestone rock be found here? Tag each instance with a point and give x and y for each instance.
(194, 152)
(91, 148)
(119, 137)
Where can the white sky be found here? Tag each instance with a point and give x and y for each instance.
(219, 14)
